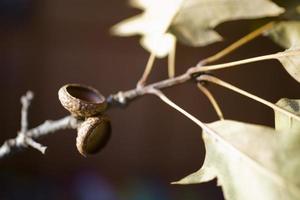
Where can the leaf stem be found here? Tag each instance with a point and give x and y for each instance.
(147, 71)
(279, 55)
(218, 81)
(212, 100)
(169, 102)
(171, 61)
(244, 40)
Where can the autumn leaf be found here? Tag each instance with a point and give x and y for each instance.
(288, 125)
(291, 62)
(152, 24)
(292, 9)
(191, 21)
(249, 162)
(196, 19)
(291, 138)
(283, 122)
(287, 33)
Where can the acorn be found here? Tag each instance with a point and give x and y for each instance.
(82, 101)
(93, 134)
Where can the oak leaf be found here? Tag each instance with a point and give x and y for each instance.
(291, 62)
(191, 21)
(249, 162)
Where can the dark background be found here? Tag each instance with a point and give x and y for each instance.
(46, 44)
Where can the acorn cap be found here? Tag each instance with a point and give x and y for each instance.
(81, 100)
(93, 134)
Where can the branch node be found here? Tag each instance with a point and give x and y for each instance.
(117, 99)
(25, 137)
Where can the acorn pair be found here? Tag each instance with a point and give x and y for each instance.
(87, 103)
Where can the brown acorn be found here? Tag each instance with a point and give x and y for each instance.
(93, 134)
(82, 101)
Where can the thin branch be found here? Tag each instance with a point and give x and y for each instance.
(217, 81)
(124, 97)
(30, 142)
(25, 101)
(25, 138)
(244, 40)
(212, 100)
(22, 138)
(147, 71)
(15, 144)
(51, 126)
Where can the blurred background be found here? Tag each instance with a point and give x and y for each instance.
(46, 44)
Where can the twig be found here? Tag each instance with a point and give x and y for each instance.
(25, 101)
(124, 97)
(25, 137)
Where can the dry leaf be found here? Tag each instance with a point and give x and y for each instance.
(289, 126)
(191, 21)
(249, 163)
(290, 140)
(152, 24)
(196, 19)
(291, 62)
(286, 34)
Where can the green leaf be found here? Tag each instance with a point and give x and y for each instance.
(249, 162)
(291, 62)
(192, 21)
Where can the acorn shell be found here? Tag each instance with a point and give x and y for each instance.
(82, 101)
(93, 134)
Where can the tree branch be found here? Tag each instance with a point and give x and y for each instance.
(25, 137)
(124, 98)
